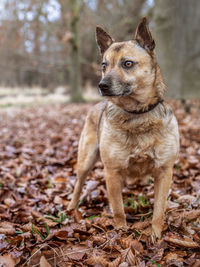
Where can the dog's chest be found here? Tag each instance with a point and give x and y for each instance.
(142, 158)
(130, 152)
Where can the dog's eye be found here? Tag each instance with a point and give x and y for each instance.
(104, 65)
(127, 64)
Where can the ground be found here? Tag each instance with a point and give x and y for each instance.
(38, 152)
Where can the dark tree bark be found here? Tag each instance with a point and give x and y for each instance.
(177, 35)
(75, 53)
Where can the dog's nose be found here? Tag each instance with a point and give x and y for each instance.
(104, 86)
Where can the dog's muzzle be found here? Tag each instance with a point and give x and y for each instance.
(104, 88)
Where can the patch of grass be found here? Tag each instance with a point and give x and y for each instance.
(47, 229)
(143, 201)
(152, 262)
(129, 202)
(35, 230)
(195, 224)
(92, 217)
(49, 185)
(142, 218)
(19, 232)
(150, 180)
(177, 167)
(136, 232)
(59, 219)
(80, 202)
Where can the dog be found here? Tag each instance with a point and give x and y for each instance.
(134, 131)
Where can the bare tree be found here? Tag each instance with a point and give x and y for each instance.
(31, 47)
(177, 33)
(75, 52)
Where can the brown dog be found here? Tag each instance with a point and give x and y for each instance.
(134, 131)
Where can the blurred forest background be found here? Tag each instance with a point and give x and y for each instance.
(51, 43)
(49, 57)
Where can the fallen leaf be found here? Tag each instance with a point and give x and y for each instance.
(44, 262)
(177, 241)
(7, 261)
(62, 235)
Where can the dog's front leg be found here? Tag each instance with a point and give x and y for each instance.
(88, 154)
(114, 189)
(162, 182)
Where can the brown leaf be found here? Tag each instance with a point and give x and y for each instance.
(7, 228)
(128, 256)
(193, 161)
(177, 241)
(137, 246)
(98, 240)
(186, 198)
(172, 205)
(196, 236)
(97, 260)
(7, 261)
(44, 262)
(133, 243)
(123, 264)
(192, 215)
(34, 259)
(140, 225)
(104, 222)
(191, 260)
(115, 263)
(7, 231)
(9, 201)
(76, 253)
(62, 234)
(77, 215)
(196, 264)
(60, 200)
(171, 256)
(158, 255)
(16, 240)
(60, 180)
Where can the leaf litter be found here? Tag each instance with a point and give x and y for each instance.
(38, 156)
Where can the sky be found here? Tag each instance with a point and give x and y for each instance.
(53, 9)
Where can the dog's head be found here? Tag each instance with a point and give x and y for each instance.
(129, 69)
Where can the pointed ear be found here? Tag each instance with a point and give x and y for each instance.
(143, 35)
(103, 39)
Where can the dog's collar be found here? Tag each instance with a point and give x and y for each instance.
(141, 111)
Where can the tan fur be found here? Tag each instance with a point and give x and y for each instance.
(131, 145)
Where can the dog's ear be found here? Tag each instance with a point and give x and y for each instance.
(103, 39)
(143, 35)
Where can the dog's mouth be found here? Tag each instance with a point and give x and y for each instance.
(126, 92)
(109, 94)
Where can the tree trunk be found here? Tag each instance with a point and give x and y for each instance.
(177, 35)
(75, 53)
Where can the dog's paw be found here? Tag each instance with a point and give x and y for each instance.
(71, 206)
(123, 228)
(121, 223)
(156, 233)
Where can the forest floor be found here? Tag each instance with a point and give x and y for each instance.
(29, 96)
(38, 164)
